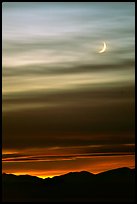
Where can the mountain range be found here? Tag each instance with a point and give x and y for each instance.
(113, 185)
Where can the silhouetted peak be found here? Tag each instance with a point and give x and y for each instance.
(116, 174)
(71, 175)
(22, 178)
(80, 173)
(74, 177)
(74, 186)
(9, 175)
(118, 170)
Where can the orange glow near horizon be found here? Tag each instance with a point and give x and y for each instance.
(95, 164)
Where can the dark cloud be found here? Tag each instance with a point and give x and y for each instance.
(71, 118)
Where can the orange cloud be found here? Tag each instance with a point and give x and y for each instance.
(94, 164)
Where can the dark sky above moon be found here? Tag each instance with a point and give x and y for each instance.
(66, 106)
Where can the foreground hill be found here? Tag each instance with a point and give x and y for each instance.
(113, 185)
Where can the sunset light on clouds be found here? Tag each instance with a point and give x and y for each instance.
(67, 107)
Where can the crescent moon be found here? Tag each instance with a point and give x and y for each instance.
(104, 48)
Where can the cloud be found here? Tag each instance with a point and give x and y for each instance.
(93, 164)
(69, 153)
(69, 118)
(43, 69)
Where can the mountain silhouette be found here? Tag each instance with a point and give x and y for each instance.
(112, 185)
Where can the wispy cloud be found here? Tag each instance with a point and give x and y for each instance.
(69, 153)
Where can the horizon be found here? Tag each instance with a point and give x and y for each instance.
(68, 87)
(114, 185)
(42, 177)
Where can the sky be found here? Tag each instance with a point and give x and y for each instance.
(65, 106)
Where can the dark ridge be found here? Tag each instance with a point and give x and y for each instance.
(76, 174)
(112, 185)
